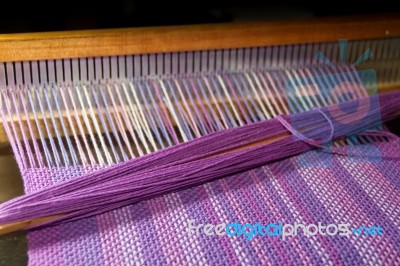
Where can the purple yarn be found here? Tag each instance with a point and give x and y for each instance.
(207, 158)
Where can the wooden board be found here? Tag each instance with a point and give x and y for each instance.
(90, 43)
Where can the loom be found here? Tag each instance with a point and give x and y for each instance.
(76, 102)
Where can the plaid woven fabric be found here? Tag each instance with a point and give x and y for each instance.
(312, 188)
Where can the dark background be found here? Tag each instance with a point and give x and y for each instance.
(37, 16)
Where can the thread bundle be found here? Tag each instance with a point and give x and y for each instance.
(207, 158)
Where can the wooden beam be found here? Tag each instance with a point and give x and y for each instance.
(89, 43)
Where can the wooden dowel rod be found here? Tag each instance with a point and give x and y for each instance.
(90, 43)
(23, 225)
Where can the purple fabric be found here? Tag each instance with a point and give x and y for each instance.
(314, 187)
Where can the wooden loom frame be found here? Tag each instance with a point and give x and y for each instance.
(132, 41)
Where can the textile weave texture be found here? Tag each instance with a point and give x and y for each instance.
(310, 188)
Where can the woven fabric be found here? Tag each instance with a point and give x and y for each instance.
(310, 188)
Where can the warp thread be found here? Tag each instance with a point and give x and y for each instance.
(202, 160)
